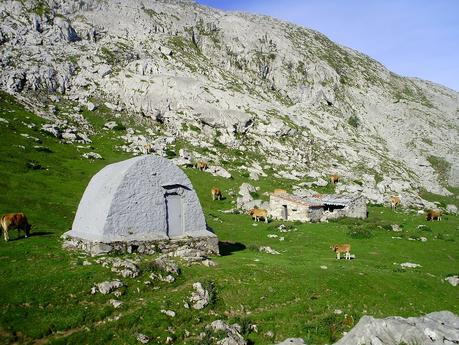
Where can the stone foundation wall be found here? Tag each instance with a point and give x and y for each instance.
(209, 245)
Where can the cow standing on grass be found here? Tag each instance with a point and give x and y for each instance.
(434, 215)
(14, 221)
(259, 213)
(216, 193)
(201, 165)
(342, 248)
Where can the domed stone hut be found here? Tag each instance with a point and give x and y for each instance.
(141, 204)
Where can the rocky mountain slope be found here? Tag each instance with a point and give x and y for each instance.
(284, 98)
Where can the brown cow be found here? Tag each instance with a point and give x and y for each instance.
(334, 178)
(395, 201)
(258, 213)
(434, 215)
(216, 193)
(14, 221)
(279, 191)
(201, 165)
(342, 248)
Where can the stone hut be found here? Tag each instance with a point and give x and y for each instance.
(316, 208)
(337, 206)
(141, 204)
(289, 207)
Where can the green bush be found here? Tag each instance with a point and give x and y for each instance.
(359, 232)
(354, 121)
(211, 288)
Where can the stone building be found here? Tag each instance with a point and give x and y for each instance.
(316, 208)
(285, 206)
(137, 205)
(337, 206)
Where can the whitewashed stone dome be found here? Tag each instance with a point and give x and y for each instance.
(145, 198)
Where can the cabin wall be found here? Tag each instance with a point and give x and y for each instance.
(295, 211)
(356, 209)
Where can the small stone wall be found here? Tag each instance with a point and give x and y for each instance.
(209, 245)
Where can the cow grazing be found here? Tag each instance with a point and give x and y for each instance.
(201, 165)
(258, 213)
(279, 191)
(342, 248)
(14, 221)
(334, 178)
(216, 193)
(434, 215)
(148, 148)
(395, 201)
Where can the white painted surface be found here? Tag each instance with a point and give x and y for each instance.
(126, 201)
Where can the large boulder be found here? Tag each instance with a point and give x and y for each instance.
(432, 329)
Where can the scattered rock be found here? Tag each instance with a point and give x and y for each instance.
(432, 329)
(92, 155)
(107, 287)
(142, 338)
(396, 228)
(209, 263)
(323, 267)
(3, 120)
(219, 171)
(110, 125)
(158, 276)
(453, 280)
(190, 255)
(168, 312)
(268, 250)
(115, 303)
(200, 297)
(409, 265)
(91, 106)
(293, 341)
(127, 268)
(451, 209)
(233, 336)
(87, 263)
(320, 182)
(104, 70)
(165, 264)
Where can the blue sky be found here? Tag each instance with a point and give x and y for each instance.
(416, 38)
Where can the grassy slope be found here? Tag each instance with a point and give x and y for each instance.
(44, 290)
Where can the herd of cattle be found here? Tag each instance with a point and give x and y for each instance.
(19, 220)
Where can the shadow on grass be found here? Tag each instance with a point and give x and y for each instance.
(32, 234)
(228, 247)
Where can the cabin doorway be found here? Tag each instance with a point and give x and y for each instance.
(174, 212)
(284, 212)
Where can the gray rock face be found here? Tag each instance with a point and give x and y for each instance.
(432, 329)
(247, 82)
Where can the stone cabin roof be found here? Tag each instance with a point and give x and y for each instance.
(317, 200)
(299, 200)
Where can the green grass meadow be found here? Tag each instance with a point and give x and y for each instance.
(45, 291)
